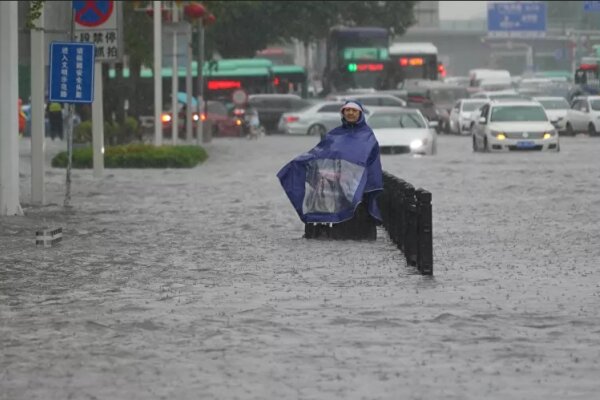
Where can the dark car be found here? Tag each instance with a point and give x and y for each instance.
(435, 101)
(220, 121)
(270, 107)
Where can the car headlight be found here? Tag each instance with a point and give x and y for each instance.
(549, 134)
(417, 144)
(498, 135)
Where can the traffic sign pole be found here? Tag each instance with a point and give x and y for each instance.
(38, 136)
(158, 92)
(98, 122)
(175, 84)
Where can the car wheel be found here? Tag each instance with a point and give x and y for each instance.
(569, 129)
(592, 129)
(316, 130)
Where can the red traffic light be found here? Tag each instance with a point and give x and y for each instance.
(194, 10)
(210, 19)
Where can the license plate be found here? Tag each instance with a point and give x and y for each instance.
(524, 144)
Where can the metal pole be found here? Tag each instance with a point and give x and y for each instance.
(98, 122)
(157, 73)
(201, 106)
(9, 117)
(38, 134)
(70, 112)
(174, 79)
(188, 90)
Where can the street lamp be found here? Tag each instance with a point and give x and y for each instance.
(197, 12)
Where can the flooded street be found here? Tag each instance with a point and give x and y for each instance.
(197, 284)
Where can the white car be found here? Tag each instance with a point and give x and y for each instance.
(316, 119)
(461, 115)
(556, 109)
(371, 100)
(402, 131)
(583, 116)
(496, 95)
(504, 126)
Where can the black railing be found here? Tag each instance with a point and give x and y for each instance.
(407, 218)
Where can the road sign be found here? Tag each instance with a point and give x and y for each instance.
(239, 97)
(517, 19)
(591, 6)
(99, 22)
(71, 78)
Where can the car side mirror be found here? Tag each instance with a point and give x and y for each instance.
(482, 120)
(433, 124)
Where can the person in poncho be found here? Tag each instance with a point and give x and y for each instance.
(334, 186)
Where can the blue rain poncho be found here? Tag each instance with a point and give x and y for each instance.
(327, 183)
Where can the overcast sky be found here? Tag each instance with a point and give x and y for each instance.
(463, 9)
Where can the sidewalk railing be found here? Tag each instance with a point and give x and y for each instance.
(407, 218)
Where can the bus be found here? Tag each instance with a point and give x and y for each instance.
(277, 55)
(290, 79)
(357, 58)
(412, 61)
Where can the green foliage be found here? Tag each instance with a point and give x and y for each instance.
(114, 133)
(35, 12)
(243, 27)
(136, 156)
(82, 133)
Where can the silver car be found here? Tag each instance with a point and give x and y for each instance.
(315, 119)
(556, 109)
(460, 115)
(519, 125)
(402, 131)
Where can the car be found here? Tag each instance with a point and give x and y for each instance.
(402, 131)
(271, 106)
(435, 99)
(371, 99)
(583, 116)
(220, 120)
(314, 119)
(556, 109)
(518, 125)
(461, 120)
(500, 94)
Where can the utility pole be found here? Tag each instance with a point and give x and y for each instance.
(9, 111)
(157, 19)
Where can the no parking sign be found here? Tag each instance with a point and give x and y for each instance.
(99, 22)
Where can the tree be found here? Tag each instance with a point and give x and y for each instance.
(243, 27)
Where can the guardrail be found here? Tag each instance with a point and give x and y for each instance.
(407, 218)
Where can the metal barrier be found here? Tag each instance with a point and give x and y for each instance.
(407, 218)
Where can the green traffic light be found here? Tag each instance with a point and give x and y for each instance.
(352, 67)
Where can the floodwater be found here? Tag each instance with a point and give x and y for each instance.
(196, 284)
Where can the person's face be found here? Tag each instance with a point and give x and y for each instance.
(351, 115)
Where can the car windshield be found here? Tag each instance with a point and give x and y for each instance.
(396, 120)
(505, 96)
(518, 113)
(448, 95)
(472, 106)
(555, 104)
(595, 105)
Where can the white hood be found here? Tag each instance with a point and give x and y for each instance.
(399, 136)
(521, 126)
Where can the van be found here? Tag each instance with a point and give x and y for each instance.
(477, 76)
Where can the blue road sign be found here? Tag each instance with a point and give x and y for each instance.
(591, 6)
(517, 19)
(71, 78)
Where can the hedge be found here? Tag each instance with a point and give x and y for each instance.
(136, 156)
